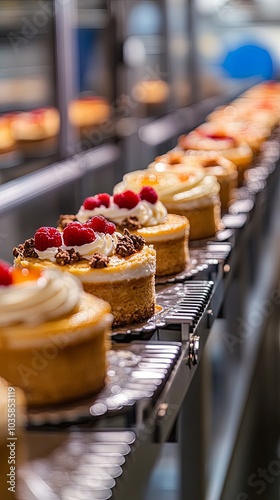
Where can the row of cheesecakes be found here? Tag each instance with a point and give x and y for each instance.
(112, 249)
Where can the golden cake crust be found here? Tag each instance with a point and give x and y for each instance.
(59, 360)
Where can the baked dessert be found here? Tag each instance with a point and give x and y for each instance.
(52, 334)
(36, 131)
(7, 139)
(88, 111)
(151, 91)
(117, 268)
(12, 423)
(144, 215)
(191, 194)
(213, 163)
(207, 138)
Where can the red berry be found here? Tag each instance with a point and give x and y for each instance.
(104, 199)
(111, 228)
(97, 223)
(77, 234)
(91, 202)
(47, 237)
(100, 224)
(128, 199)
(6, 278)
(119, 200)
(148, 193)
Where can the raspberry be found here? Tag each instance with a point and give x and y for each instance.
(97, 223)
(46, 237)
(91, 202)
(100, 224)
(119, 200)
(105, 199)
(77, 234)
(111, 228)
(147, 193)
(6, 278)
(128, 199)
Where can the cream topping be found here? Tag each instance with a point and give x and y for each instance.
(105, 244)
(148, 214)
(53, 295)
(173, 186)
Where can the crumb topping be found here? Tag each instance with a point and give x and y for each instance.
(98, 261)
(63, 257)
(131, 223)
(129, 244)
(27, 249)
(64, 220)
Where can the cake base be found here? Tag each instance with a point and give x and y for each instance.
(59, 360)
(204, 221)
(172, 256)
(131, 301)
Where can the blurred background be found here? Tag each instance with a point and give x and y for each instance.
(105, 69)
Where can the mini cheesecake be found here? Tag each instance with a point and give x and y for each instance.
(119, 269)
(213, 164)
(53, 335)
(207, 138)
(143, 215)
(191, 194)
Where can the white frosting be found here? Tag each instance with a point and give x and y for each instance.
(191, 186)
(131, 270)
(53, 295)
(148, 214)
(105, 244)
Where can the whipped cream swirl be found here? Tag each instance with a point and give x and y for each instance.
(148, 214)
(51, 296)
(105, 244)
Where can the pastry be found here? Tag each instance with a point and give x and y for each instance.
(88, 111)
(213, 163)
(117, 268)
(36, 131)
(7, 139)
(207, 138)
(52, 334)
(144, 215)
(191, 193)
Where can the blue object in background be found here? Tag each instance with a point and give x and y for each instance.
(249, 60)
(86, 44)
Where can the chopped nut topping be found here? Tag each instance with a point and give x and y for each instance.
(64, 220)
(129, 244)
(63, 257)
(27, 249)
(131, 223)
(98, 261)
